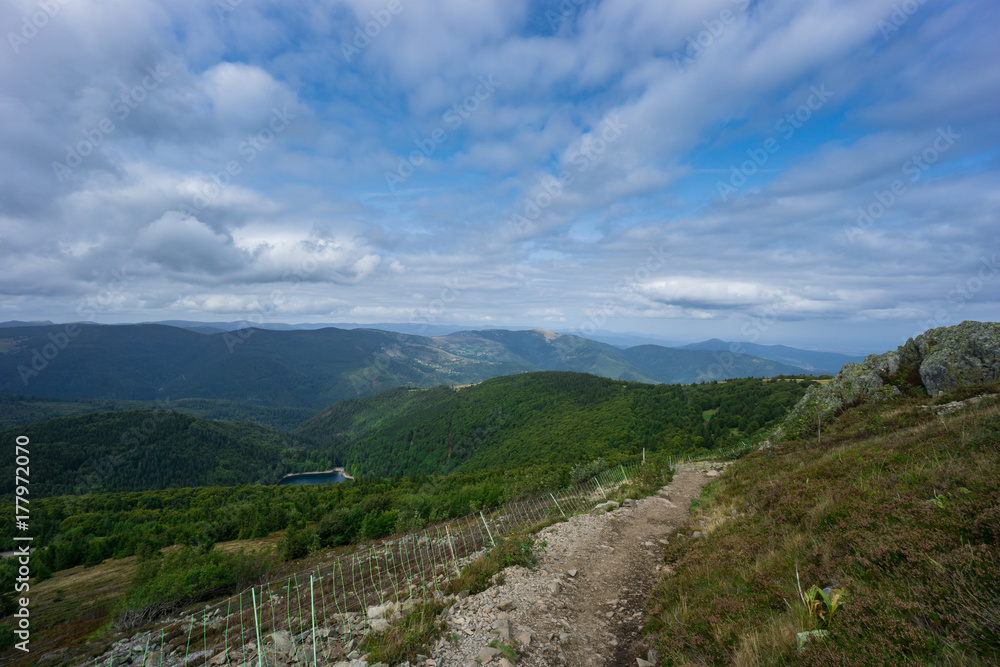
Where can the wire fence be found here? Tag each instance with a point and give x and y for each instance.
(317, 616)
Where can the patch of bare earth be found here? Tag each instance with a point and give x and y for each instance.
(584, 604)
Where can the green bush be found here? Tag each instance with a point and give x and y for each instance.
(298, 542)
(185, 575)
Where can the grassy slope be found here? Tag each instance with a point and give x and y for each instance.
(897, 506)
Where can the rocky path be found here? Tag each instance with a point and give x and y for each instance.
(584, 604)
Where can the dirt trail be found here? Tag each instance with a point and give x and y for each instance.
(584, 604)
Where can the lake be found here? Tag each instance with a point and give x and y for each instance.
(325, 477)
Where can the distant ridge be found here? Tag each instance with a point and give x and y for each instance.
(314, 368)
(816, 362)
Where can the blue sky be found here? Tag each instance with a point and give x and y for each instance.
(817, 173)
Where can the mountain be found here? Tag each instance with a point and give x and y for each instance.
(545, 417)
(820, 363)
(140, 450)
(314, 368)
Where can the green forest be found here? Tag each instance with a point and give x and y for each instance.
(138, 450)
(110, 485)
(549, 417)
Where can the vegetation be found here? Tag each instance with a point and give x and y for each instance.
(85, 530)
(18, 410)
(486, 570)
(896, 513)
(402, 642)
(537, 418)
(185, 575)
(140, 450)
(313, 369)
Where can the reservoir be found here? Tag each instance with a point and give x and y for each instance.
(324, 477)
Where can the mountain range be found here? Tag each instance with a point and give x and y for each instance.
(314, 368)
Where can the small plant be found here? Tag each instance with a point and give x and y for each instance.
(508, 651)
(822, 605)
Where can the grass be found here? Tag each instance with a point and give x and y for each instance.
(486, 570)
(898, 507)
(413, 635)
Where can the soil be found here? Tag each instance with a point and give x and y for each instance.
(584, 604)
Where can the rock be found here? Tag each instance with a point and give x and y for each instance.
(506, 605)
(503, 628)
(803, 638)
(643, 663)
(555, 587)
(524, 639)
(604, 507)
(504, 662)
(282, 641)
(571, 573)
(711, 473)
(653, 656)
(487, 653)
(938, 360)
(379, 625)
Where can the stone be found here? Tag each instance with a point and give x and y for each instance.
(653, 656)
(503, 628)
(555, 587)
(643, 663)
(282, 641)
(524, 639)
(504, 662)
(571, 573)
(379, 625)
(802, 639)
(506, 605)
(604, 507)
(711, 473)
(487, 653)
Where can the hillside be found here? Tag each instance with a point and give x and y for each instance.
(312, 368)
(892, 508)
(17, 410)
(813, 361)
(547, 417)
(139, 450)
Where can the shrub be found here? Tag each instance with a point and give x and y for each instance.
(185, 575)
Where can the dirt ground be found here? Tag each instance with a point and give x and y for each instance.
(584, 603)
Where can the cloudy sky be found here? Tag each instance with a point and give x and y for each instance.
(822, 173)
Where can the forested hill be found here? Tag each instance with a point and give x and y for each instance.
(140, 450)
(314, 368)
(547, 417)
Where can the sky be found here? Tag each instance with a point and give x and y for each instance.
(822, 173)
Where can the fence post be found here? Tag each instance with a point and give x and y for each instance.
(558, 505)
(494, 542)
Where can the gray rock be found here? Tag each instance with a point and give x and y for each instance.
(643, 663)
(506, 605)
(555, 587)
(571, 573)
(653, 656)
(282, 641)
(487, 653)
